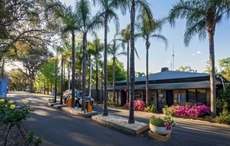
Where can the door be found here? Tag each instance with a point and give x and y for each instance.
(169, 97)
(160, 100)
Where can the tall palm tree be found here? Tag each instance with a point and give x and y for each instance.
(147, 30)
(97, 48)
(125, 37)
(114, 51)
(87, 24)
(70, 24)
(202, 17)
(143, 7)
(108, 12)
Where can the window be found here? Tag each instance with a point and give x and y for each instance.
(201, 95)
(196, 95)
(192, 95)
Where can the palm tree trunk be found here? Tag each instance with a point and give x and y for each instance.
(105, 95)
(97, 90)
(73, 70)
(114, 69)
(89, 74)
(147, 71)
(69, 76)
(101, 91)
(132, 65)
(61, 98)
(84, 70)
(127, 84)
(212, 73)
(55, 82)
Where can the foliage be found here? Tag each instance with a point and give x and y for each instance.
(167, 121)
(191, 111)
(223, 100)
(17, 80)
(139, 105)
(120, 73)
(111, 102)
(139, 74)
(167, 110)
(12, 114)
(150, 108)
(225, 67)
(31, 139)
(224, 118)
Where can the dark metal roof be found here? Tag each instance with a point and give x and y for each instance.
(169, 75)
(167, 86)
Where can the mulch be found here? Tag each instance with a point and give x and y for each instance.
(16, 135)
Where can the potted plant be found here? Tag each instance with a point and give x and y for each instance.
(161, 126)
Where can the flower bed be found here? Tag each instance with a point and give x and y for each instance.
(190, 111)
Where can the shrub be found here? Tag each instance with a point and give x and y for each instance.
(150, 108)
(191, 111)
(139, 105)
(223, 101)
(223, 118)
(12, 114)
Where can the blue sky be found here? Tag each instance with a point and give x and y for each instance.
(195, 55)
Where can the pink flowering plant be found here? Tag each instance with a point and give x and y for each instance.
(191, 111)
(139, 105)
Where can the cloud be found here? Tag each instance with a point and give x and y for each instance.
(198, 52)
(168, 61)
(193, 54)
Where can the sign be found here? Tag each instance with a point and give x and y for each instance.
(3, 87)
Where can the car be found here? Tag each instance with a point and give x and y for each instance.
(78, 97)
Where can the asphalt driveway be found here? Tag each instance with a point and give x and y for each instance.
(61, 129)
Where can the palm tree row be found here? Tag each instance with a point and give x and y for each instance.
(202, 17)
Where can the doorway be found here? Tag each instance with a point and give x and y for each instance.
(169, 97)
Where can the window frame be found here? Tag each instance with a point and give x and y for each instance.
(196, 95)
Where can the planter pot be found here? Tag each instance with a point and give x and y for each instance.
(159, 130)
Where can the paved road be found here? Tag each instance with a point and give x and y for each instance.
(61, 129)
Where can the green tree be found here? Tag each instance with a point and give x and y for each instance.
(87, 24)
(108, 12)
(70, 22)
(207, 68)
(120, 73)
(97, 48)
(139, 74)
(124, 37)
(143, 7)
(114, 49)
(147, 29)
(225, 67)
(202, 17)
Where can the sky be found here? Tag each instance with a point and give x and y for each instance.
(195, 55)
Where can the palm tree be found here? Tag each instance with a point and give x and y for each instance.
(147, 29)
(202, 17)
(143, 8)
(97, 48)
(113, 50)
(70, 21)
(108, 12)
(87, 24)
(124, 37)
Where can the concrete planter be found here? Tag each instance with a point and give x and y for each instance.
(159, 130)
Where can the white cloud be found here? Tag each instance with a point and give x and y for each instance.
(193, 54)
(198, 52)
(168, 61)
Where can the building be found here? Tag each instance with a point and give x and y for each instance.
(170, 87)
